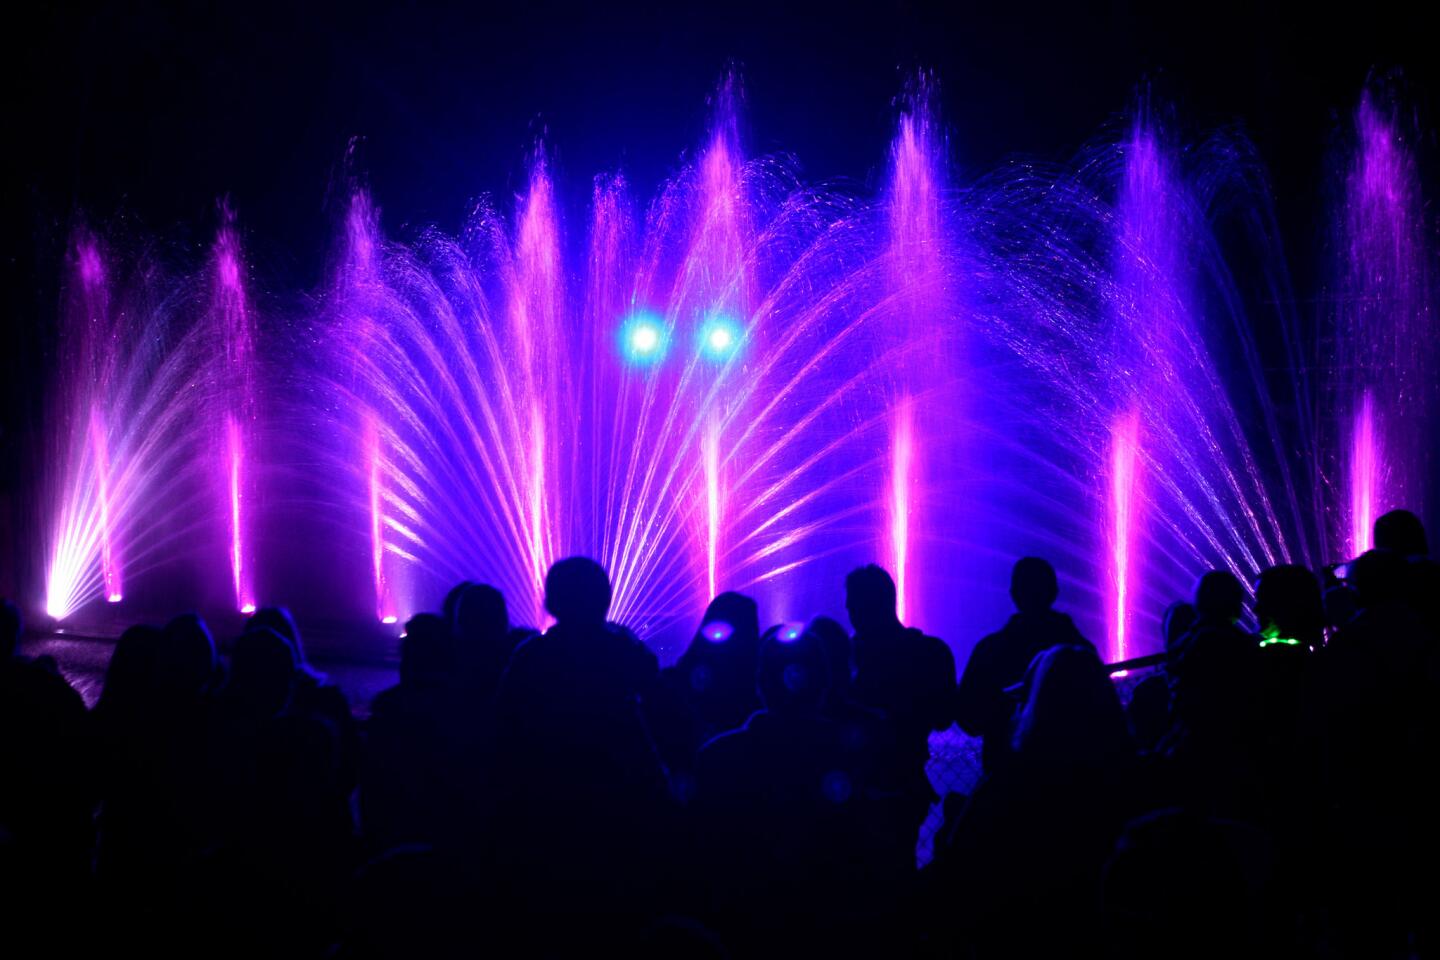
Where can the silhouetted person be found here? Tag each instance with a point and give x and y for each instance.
(582, 797)
(1175, 623)
(46, 786)
(1215, 739)
(839, 654)
(999, 661)
(904, 673)
(1216, 644)
(141, 741)
(1149, 709)
(281, 782)
(782, 809)
(259, 688)
(1400, 531)
(1373, 692)
(314, 693)
(870, 741)
(413, 780)
(484, 639)
(451, 603)
(711, 688)
(1020, 867)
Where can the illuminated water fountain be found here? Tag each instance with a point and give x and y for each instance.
(693, 401)
(128, 407)
(754, 383)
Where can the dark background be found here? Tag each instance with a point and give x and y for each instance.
(150, 112)
(156, 110)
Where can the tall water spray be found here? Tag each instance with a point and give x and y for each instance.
(698, 401)
(1384, 386)
(129, 403)
(921, 316)
(1183, 366)
(84, 543)
(232, 316)
(750, 382)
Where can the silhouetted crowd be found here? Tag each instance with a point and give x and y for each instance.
(559, 794)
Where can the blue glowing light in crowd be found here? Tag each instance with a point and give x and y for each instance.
(790, 632)
(717, 631)
(643, 339)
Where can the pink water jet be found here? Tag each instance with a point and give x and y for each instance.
(917, 279)
(1122, 529)
(374, 460)
(711, 456)
(236, 389)
(902, 454)
(109, 559)
(1365, 466)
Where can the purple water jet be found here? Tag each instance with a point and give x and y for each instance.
(236, 382)
(923, 409)
(1384, 390)
(1124, 522)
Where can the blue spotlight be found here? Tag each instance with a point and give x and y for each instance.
(643, 339)
(720, 338)
(790, 632)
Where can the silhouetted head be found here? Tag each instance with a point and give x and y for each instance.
(479, 613)
(1033, 585)
(130, 676)
(1402, 532)
(836, 644)
(281, 622)
(577, 591)
(1288, 604)
(1379, 577)
(1071, 711)
(186, 662)
(1177, 620)
(793, 676)
(731, 619)
(427, 654)
(870, 599)
(11, 623)
(452, 600)
(1219, 598)
(262, 672)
